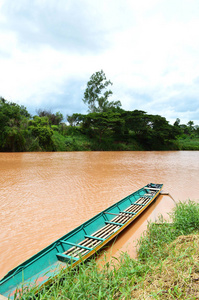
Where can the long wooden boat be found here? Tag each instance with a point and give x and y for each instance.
(80, 243)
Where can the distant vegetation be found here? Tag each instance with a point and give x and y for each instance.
(167, 266)
(106, 127)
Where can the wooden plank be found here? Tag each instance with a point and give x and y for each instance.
(96, 238)
(152, 189)
(105, 234)
(101, 234)
(91, 241)
(114, 223)
(110, 228)
(129, 212)
(122, 218)
(134, 209)
(86, 244)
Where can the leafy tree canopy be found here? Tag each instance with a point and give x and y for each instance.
(54, 119)
(13, 121)
(102, 124)
(97, 93)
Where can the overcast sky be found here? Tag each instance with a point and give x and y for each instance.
(149, 49)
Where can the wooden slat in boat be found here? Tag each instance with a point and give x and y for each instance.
(120, 219)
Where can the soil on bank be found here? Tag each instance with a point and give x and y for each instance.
(176, 277)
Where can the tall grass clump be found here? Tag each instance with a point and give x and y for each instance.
(151, 244)
(89, 282)
(183, 220)
(186, 217)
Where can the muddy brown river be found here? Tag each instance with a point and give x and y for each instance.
(45, 195)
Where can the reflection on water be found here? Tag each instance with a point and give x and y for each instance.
(45, 195)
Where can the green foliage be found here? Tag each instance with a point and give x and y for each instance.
(96, 94)
(150, 245)
(74, 142)
(89, 282)
(14, 137)
(13, 126)
(152, 131)
(40, 129)
(59, 141)
(53, 119)
(184, 220)
(162, 132)
(102, 125)
(186, 143)
(108, 127)
(186, 217)
(189, 130)
(75, 119)
(71, 120)
(78, 143)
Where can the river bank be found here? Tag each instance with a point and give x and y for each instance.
(80, 142)
(167, 266)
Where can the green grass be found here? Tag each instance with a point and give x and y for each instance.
(72, 139)
(77, 142)
(80, 142)
(188, 143)
(59, 141)
(186, 217)
(185, 220)
(167, 266)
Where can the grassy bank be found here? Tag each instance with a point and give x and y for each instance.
(188, 143)
(167, 266)
(74, 140)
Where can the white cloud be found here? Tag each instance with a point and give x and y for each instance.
(148, 49)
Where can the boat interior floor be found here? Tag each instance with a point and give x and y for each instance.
(92, 241)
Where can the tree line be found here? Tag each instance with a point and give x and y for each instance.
(105, 126)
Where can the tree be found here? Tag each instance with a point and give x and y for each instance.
(190, 125)
(177, 122)
(75, 119)
(41, 130)
(96, 94)
(136, 121)
(101, 125)
(151, 131)
(197, 129)
(54, 119)
(162, 132)
(13, 126)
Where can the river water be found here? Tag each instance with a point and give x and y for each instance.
(45, 195)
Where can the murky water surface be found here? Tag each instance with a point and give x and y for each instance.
(45, 195)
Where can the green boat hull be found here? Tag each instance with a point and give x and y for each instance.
(80, 243)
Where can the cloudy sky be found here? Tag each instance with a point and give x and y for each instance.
(149, 49)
